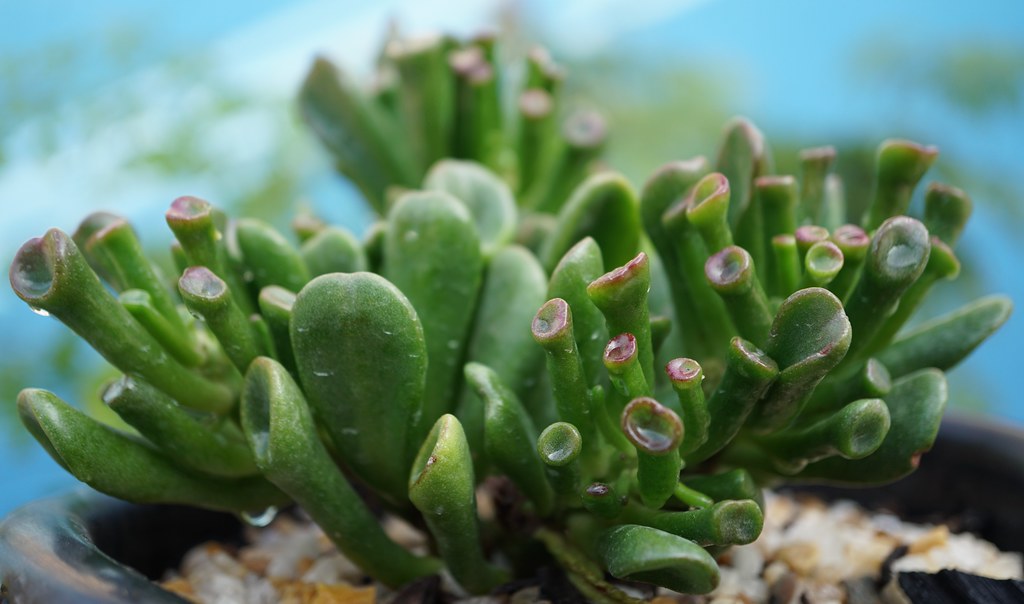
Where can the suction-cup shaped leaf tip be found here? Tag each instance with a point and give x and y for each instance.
(652, 427)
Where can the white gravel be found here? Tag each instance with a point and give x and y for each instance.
(809, 552)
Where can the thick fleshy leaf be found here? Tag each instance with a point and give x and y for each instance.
(621, 295)
(732, 274)
(583, 137)
(915, 404)
(432, 254)
(50, 274)
(735, 484)
(580, 266)
(268, 256)
(814, 169)
(642, 553)
(362, 361)
(514, 285)
(743, 156)
(426, 94)
(779, 199)
(284, 441)
(945, 341)
(853, 432)
(942, 265)
(724, 523)
(199, 228)
(898, 255)
(360, 135)
(603, 207)
(209, 444)
(670, 183)
(177, 338)
(748, 374)
(946, 210)
(441, 486)
(486, 196)
(809, 337)
(116, 247)
(535, 142)
(656, 432)
(209, 297)
(900, 165)
(276, 309)
(621, 359)
(552, 328)
(853, 242)
(123, 466)
(691, 255)
(509, 436)
(333, 250)
(476, 131)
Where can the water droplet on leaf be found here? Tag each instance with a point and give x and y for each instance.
(261, 518)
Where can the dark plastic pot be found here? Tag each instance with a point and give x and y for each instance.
(82, 548)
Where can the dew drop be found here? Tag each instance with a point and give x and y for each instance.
(453, 344)
(261, 518)
(411, 236)
(559, 454)
(39, 311)
(323, 373)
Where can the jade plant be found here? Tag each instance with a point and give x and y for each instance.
(620, 384)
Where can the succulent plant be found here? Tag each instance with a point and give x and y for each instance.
(454, 353)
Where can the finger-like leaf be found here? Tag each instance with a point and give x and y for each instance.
(641, 553)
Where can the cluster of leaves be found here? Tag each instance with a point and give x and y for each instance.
(435, 98)
(414, 364)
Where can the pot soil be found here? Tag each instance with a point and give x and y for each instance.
(83, 547)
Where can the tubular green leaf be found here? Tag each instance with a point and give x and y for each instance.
(441, 486)
(50, 274)
(641, 553)
(122, 466)
(280, 430)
